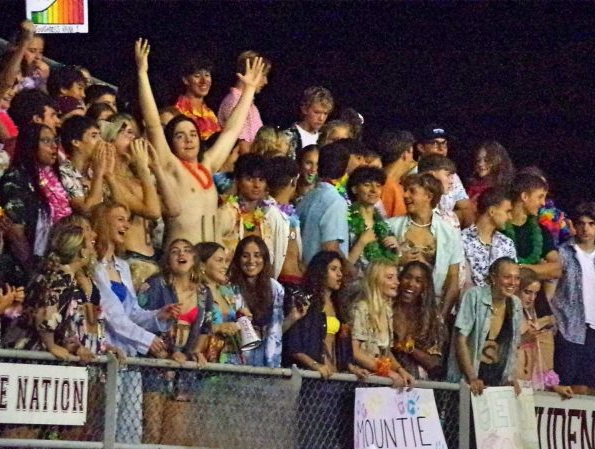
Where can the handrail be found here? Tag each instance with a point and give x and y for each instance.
(218, 367)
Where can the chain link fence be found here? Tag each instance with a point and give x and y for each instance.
(158, 404)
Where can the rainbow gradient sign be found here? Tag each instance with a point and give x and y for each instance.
(59, 16)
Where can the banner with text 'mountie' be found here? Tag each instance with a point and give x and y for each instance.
(388, 418)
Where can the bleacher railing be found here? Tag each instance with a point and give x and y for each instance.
(152, 403)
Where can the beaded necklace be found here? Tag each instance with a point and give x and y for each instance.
(199, 172)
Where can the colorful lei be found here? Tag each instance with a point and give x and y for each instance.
(374, 250)
(250, 219)
(536, 241)
(341, 186)
(554, 220)
(289, 210)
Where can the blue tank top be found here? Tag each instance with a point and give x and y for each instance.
(120, 290)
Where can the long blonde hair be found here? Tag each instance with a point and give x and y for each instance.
(372, 296)
(80, 221)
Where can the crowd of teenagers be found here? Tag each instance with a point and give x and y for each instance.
(152, 236)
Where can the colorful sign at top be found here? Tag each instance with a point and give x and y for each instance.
(59, 16)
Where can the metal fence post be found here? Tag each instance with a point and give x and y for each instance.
(111, 390)
(464, 415)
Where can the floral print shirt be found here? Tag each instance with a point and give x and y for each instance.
(205, 118)
(73, 318)
(479, 256)
(567, 304)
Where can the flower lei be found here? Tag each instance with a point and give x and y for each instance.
(289, 210)
(536, 241)
(341, 186)
(374, 250)
(554, 220)
(250, 219)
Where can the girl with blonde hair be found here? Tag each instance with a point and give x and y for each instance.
(270, 141)
(136, 162)
(372, 323)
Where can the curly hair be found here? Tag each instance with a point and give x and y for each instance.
(430, 326)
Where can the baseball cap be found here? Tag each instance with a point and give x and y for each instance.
(433, 131)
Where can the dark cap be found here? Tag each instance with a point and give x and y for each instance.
(433, 131)
(67, 104)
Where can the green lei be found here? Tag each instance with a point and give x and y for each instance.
(536, 241)
(373, 251)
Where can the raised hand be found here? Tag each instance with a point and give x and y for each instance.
(253, 74)
(139, 154)
(100, 160)
(141, 54)
(110, 158)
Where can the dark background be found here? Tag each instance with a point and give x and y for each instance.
(520, 73)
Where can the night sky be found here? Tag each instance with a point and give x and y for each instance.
(520, 73)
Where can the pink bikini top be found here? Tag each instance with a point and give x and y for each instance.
(190, 316)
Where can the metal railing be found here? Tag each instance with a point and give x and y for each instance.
(151, 403)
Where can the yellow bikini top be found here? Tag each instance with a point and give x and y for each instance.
(332, 325)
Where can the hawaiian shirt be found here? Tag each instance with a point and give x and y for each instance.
(479, 256)
(66, 311)
(23, 206)
(473, 321)
(567, 303)
(72, 179)
(205, 118)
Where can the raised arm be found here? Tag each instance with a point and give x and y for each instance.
(148, 106)
(171, 205)
(217, 155)
(11, 70)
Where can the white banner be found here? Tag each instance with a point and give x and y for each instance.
(59, 16)
(565, 424)
(388, 418)
(503, 420)
(43, 394)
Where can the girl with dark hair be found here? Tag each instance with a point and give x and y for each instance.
(419, 331)
(493, 168)
(251, 273)
(320, 341)
(33, 198)
(307, 159)
(219, 339)
(370, 238)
